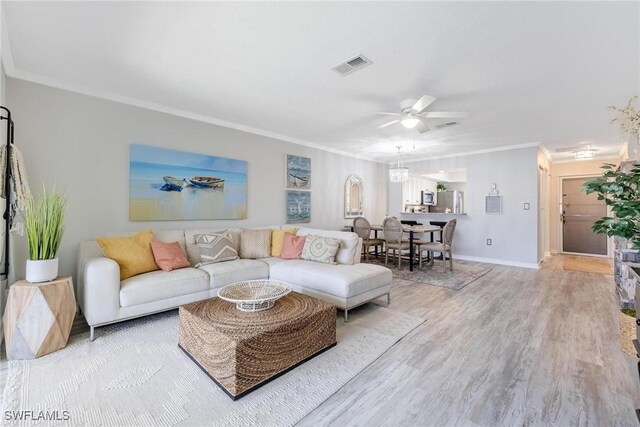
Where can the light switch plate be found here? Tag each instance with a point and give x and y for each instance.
(527, 206)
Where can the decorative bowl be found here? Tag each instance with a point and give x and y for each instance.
(254, 295)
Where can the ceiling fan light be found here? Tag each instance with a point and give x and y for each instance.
(398, 174)
(409, 122)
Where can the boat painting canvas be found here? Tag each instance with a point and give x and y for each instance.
(298, 207)
(169, 184)
(298, 172)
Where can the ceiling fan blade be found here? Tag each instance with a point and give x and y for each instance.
(383, 113)
(422, 104)
(422, 127)
(446, 115)
(389, 123)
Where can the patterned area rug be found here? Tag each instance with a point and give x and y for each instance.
(134, 374)
(464, 272)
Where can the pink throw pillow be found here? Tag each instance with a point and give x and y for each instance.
(292, 246)
(169, 256)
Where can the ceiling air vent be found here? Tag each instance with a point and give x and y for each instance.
(446, 125)
(351, 65)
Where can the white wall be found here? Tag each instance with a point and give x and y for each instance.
(80, 144)
(514, 233)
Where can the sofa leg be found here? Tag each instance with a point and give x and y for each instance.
(346, 315)
(92, 335)
(388, 298)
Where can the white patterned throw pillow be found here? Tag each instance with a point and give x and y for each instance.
(320, 249)
(215, 247)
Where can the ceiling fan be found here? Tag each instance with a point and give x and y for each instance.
(413, 114)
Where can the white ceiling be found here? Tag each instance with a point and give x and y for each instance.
(527, 72)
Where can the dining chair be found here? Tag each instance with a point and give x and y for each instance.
(419, 242)
(362, 228)
(393, 233)
(443, 247)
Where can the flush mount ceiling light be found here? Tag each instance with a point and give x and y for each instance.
(398, 173)
(585, 154)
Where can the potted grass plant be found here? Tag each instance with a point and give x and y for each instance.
(44, 223)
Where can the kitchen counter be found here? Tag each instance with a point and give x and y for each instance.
(430, 213)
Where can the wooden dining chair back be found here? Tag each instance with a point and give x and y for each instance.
(362, 228)
(447, 232)
(393, 233)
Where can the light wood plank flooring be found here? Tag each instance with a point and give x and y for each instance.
(516, 347)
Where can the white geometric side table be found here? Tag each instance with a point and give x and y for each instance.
(38, 317)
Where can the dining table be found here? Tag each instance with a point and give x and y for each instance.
(412, 230)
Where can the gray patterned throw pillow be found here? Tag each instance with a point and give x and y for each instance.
(320, 249)
(215, 247)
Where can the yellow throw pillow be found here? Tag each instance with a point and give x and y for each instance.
(133, 254)
(277, 237)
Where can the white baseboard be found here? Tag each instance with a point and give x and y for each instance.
(497, 261)
(547, 254)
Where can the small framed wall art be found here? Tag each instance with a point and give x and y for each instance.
(298, 173)
(297, 207)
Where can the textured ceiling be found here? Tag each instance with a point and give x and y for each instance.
(527, 72)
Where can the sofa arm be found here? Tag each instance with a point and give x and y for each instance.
(100, 294)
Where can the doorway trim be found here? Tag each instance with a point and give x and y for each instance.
(557, 210)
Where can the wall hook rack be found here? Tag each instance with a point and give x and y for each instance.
(10, 209)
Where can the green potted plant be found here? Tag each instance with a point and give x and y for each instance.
(619, 187)
(44, 219)
(620, 190)
(441, 187)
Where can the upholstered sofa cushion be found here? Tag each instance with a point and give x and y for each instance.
(348, 243)
(224, 273)
(159, 285)
(343, 281)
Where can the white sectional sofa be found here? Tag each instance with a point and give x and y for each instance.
(104, 299)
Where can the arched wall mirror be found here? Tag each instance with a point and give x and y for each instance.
(353, 197)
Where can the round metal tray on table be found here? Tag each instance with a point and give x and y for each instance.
(254, 295)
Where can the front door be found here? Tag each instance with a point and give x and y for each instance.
(579, 212)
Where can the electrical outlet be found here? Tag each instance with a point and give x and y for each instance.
(489, 242)
(527, 206)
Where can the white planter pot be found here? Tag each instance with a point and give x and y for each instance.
(41, 270)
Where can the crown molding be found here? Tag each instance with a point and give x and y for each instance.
(474, 152)
(595, 159)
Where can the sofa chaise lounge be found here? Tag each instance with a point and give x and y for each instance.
(104, 299)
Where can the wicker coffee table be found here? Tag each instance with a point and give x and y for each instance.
(242, 351)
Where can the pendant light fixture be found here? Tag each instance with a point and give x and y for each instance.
(398, 173)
